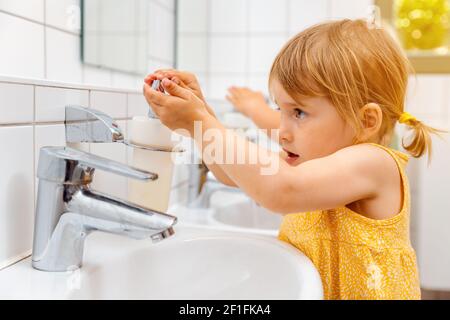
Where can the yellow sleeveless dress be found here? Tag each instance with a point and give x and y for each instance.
(358, 257)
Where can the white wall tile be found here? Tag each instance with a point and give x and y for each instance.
(118, 50)
(220, 84)
(16, 190)
(117, 15)
(427, 95)
(228, 16)
(228, 54)
(262, 52)
(192, 53)
(432, 205)
(112, 103)
(267, 15)
(22, 52)
(162, 24)
(154, 65)
(48, 135)
(168, 4)
(17, 103)
(63, 57)
(137, 105)
(30, 9)
(259, 83)
(124, 81)
(97, 76)
(51, 102)
(192, 16)
(304, 13)
(352, 9)
(63, 14)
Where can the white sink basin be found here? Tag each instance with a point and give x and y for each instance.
(247, 214)
(195, 263)
(231, 211)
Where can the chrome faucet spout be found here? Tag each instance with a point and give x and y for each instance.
(68, 210)
(110, 214)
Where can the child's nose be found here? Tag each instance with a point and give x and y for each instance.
(285, 134)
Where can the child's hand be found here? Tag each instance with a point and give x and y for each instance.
(245, 100)
(184, 79)
(177, 110)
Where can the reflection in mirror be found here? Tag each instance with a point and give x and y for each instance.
(115, 34)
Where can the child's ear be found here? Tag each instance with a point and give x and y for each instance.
(371, 118)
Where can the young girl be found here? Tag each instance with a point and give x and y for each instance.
(340, 88)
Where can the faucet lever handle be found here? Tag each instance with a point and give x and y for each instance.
(96, 162)
(90, 125)
(62, 163)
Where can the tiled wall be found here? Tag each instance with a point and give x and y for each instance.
(429, 100)
(41, 39)
(233, 42)
(32, 116)
(41, 72)
(229, 42)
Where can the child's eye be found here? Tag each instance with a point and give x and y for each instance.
(300, 114)
(277, 109)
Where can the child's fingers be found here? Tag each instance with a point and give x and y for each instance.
(235, 92)
(182, 75)
(164, 70)
(165, 73)
(177, 81)
(232, 90)
(161, 75)
(181, 83)
(150, 78)
(230, 98)
(175, 90)
(154, 97)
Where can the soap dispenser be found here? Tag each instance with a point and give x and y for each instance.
(155, 145)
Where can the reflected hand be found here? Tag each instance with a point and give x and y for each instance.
(245, 100)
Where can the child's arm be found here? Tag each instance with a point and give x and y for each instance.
(253, 104)
(351, 174)
(221, 175)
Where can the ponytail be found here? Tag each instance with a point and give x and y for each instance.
(420, 140)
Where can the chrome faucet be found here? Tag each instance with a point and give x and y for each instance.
(90, 125)
(68, 210)
(209, 187)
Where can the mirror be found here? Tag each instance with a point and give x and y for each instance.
(116, 34)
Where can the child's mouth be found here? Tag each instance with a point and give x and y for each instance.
(291, 157)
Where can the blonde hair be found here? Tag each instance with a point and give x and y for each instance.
(352, 64)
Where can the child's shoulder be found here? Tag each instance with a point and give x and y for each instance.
(370, 153)
(379, 168)
(372, 159)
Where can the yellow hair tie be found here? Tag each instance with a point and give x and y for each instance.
(406, 118)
